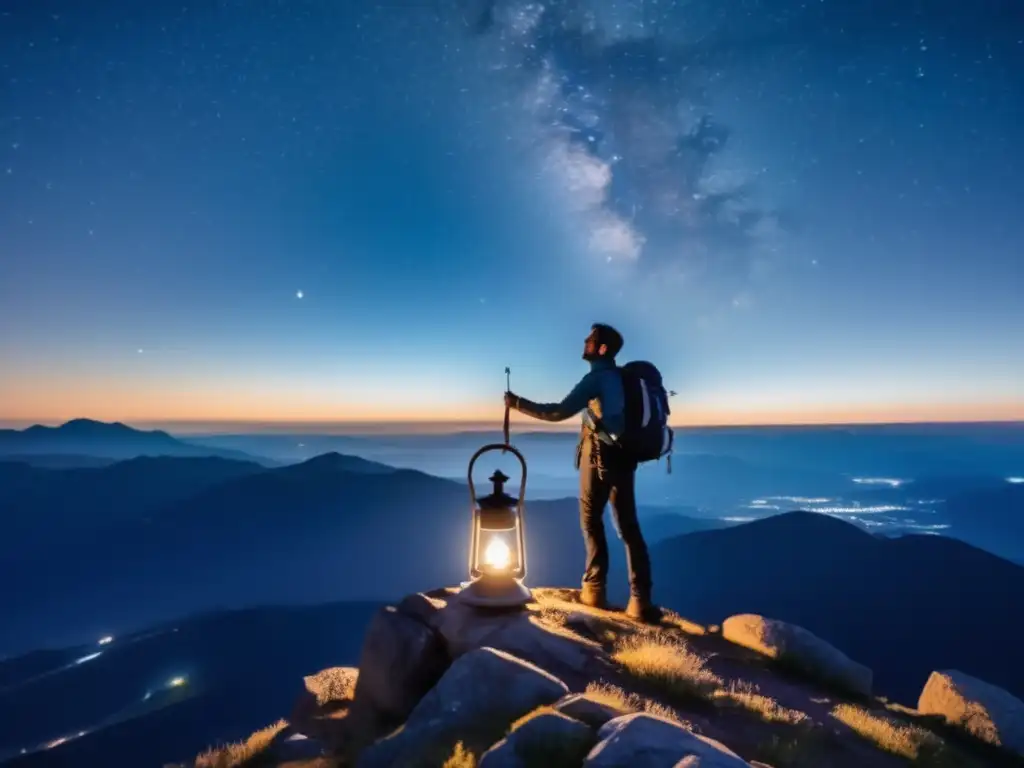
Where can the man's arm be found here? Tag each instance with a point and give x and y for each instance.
(574, 402)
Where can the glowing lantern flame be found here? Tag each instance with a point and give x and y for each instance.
(498, 555)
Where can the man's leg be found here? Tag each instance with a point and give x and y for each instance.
(594, 491)
(623, 499)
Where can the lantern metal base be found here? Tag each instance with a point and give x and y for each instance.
(491, 592)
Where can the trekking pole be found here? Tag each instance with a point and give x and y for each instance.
(508, 388)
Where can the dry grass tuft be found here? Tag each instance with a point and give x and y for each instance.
(673, 619)
(530, 715)
(460, 758)
(894, 706)
(554, 615)
(668, 665)
(628, 703)
(746, 697)
(246, 754)
(909, 741)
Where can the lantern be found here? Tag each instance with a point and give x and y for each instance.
(497, 544)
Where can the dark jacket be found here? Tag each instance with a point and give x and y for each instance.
(599, 394)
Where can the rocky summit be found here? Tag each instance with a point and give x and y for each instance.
(441, 684)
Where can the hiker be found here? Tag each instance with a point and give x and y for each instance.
(607, 469)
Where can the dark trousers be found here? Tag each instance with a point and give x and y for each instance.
(605, 475)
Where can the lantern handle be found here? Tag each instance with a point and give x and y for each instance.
(497, 447)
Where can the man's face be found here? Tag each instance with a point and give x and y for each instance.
(591, 350)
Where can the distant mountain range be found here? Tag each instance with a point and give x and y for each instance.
(106, 549)
(829, 452)
(143, 540)
(91, 439)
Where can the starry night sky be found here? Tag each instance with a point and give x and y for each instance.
(322, 210)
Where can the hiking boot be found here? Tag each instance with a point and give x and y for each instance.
(643, 610)
(594, 596)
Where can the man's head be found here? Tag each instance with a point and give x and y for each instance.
(603, 342)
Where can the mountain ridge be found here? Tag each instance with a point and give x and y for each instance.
(106, 439)
(925, 593)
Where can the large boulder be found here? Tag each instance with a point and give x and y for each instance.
(800, 648)
(645, 741)
(550, 739)
(520, 633)
(402, 658)
(982, 709)
(482, 693)
(421, 606)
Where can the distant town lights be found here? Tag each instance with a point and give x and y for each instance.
(177, 682)
(107, 640)
(892, 482)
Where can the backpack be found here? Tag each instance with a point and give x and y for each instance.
(647, 435)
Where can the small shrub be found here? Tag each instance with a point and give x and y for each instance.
(768, 708)
(673, 619)
(909, 741)
(668, 665)
(615, 697)
(460, 758)
(550, 614)
(247, 754)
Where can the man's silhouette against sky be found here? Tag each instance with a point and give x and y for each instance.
(607, 473)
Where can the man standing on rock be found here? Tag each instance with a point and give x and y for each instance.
(607, 471)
